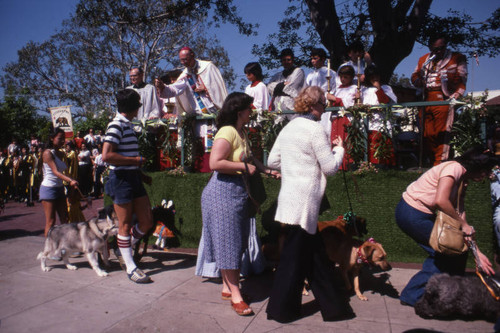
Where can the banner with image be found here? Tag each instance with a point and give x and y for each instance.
(61, 118)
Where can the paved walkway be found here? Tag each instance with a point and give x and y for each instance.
(79, 301)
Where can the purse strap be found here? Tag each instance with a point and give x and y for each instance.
(460, 188)
(246, 181)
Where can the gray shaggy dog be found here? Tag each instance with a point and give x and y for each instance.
(87, 237)
(463, 297)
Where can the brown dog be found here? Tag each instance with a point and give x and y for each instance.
(351, 253)
(341, 229)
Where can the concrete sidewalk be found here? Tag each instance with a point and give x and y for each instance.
(79, 301)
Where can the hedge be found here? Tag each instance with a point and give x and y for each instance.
(374, 196)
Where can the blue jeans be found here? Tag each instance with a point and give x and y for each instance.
(418, 225)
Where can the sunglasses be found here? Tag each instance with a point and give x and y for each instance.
(438, 49)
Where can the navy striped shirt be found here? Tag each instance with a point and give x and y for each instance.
(120, 132)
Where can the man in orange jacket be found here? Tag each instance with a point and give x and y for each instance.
(443, 75)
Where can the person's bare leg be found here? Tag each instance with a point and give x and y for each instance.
(225, 286)
(142, 210)
(124, 216)
(50, 215)
(231, 278)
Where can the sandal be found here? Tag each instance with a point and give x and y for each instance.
(227, 296)
(242, 309)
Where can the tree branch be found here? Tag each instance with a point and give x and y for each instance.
(326, 22)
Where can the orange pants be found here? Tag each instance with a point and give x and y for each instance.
(438, 121)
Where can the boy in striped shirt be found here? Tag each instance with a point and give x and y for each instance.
(124, 185)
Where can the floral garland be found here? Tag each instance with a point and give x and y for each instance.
(269, 124)
(357, 133)
(467, 125)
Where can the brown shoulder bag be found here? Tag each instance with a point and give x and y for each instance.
(447, 236)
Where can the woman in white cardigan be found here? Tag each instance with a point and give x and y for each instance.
(303, 154)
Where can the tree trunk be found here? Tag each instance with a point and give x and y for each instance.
(394, 32)
(326, 22)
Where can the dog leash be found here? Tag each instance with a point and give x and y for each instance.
(347, 190)
(472, 245)
(349, 217)
(87, 199)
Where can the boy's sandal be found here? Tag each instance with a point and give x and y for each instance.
(242, 309)
(139, 276)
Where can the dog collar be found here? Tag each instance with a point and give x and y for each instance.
(361, 257)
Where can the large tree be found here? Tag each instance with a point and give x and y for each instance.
(388, 28)
(89, 58)
(19, 120)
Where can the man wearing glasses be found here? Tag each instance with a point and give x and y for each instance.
(442, 74)
(150, 108)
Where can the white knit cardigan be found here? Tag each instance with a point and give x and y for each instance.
(303, 155)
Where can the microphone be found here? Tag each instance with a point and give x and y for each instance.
(431, 57)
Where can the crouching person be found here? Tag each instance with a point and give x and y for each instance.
(124, 185)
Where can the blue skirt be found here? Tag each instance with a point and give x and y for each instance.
(224, 207)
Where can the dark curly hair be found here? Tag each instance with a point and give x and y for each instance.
(476, 160)
(234, 103)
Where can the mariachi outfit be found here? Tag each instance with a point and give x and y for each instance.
(442, 79)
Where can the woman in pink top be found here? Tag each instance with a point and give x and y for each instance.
(415, 215)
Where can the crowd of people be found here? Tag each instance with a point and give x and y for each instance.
(21, 166)
(309, 148)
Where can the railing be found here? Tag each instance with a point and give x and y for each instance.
(396, 108)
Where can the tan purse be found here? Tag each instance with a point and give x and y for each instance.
(447, 236)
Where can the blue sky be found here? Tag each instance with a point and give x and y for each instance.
(25, 20)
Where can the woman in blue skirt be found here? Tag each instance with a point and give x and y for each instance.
(224, 202)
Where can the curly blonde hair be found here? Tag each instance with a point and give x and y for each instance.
(308, 97)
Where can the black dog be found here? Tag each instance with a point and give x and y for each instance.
(143, 241)
(463, 297)
(162, 214)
